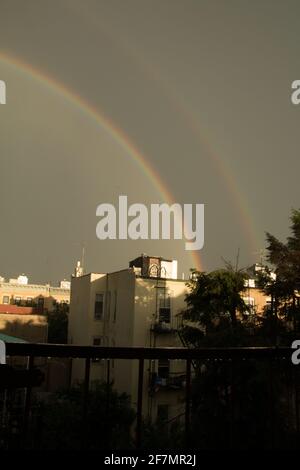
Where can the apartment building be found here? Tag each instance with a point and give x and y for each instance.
(134, 307)
(23, 307)
(255, 298)
(37, 297)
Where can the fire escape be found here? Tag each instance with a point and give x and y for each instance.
(162, 325)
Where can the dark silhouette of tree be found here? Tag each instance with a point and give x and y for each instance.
(234, 402)
(58, 324)
(60, 423)
(215, 306)
(284, 288)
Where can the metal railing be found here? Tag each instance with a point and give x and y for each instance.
(89, 353)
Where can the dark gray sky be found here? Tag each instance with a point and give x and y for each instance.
(201, 88)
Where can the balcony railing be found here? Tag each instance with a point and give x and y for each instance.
(162, 328)
(89, 353)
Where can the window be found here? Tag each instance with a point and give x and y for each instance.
(17, 300)
(96, 342)
(249, 301)
(6, 299)
(115, 307)
(164, 314)
(163, 368)
(249, 282)
(40, 303)
(164, 309)
(154, 270)
(99, 304)
(29, 301)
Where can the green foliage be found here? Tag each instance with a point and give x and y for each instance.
(163, 436)
(58, 324)
(235, 403)
(215, 304)
(107, 425)
(285, 288)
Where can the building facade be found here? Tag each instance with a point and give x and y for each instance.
(137, 307)
(23, 307)
(39, 297)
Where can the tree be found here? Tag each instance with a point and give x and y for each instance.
(215, 305)
(284, 287)
(231, 398)
(58, 324)
(107, 425)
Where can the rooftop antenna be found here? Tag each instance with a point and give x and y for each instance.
(237, 260)
(82, 257)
